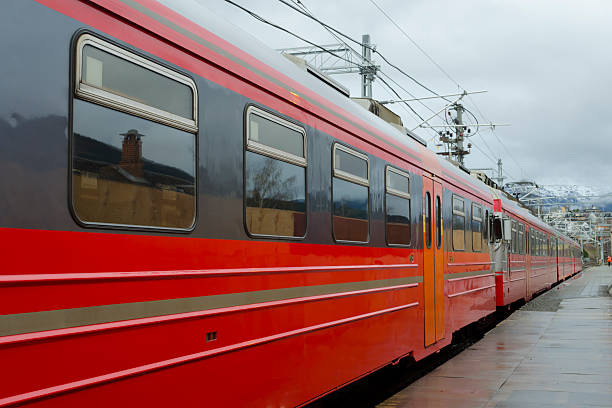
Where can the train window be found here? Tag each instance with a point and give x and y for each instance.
(458, 224)
(114, 77)
(350, 191)
(133, 143)
(476, 227)
(521, 238)
(514, 238)
(275, 176)
(397, 207)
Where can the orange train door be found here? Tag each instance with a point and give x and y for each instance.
(433, 261)
(528, 262)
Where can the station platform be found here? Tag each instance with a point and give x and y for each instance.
(556, 351)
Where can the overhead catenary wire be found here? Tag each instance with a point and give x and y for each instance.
(264, 20)
(308, 14)
(414, 43)
(434, 62)
(374, 50)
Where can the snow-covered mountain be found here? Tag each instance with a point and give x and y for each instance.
(570, 195)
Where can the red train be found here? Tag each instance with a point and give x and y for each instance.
(190, 219)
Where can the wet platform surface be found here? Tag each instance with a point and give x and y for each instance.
(556, 351)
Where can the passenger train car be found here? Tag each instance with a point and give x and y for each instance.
(190, 219)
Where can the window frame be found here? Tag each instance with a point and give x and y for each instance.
(393, 191)
(480, 220)
(346, 175)
(521, 235)
(461, 214)
(343, 175)
(125, 104)
(129, 53)
(400, 194)
(265, 150)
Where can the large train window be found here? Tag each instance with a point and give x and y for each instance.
(350, 191)
(521, 235)
(458, 223)
(397, 207)
(275, 176)
(476, 227)
(134, 140)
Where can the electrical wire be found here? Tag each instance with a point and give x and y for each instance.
(415, 43)
(337, 33)
(263, 20)
(374, 50)
(389, 92)
(448, 76)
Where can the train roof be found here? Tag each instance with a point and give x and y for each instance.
(528, 216)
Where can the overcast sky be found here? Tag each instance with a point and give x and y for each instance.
(546, 64)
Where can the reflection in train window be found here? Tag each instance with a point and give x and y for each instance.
(275, 176)
(133, 142)
(458, 224)
(476, 227)
(350, 191)
(521, 235)
(131, 171)
(397, 207)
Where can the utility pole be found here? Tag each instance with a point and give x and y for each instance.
(500, 174)
(367, 75)
(459, 132)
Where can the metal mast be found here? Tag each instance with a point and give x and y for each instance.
(367, 71)
(349, 61)
(500, 174)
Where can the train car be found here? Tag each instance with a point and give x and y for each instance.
(191, 219)
(535, 258)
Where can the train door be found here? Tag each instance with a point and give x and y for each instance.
(433, 261)
(557, 259)
(528, 254)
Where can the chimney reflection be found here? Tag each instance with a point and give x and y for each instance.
(131, 153)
